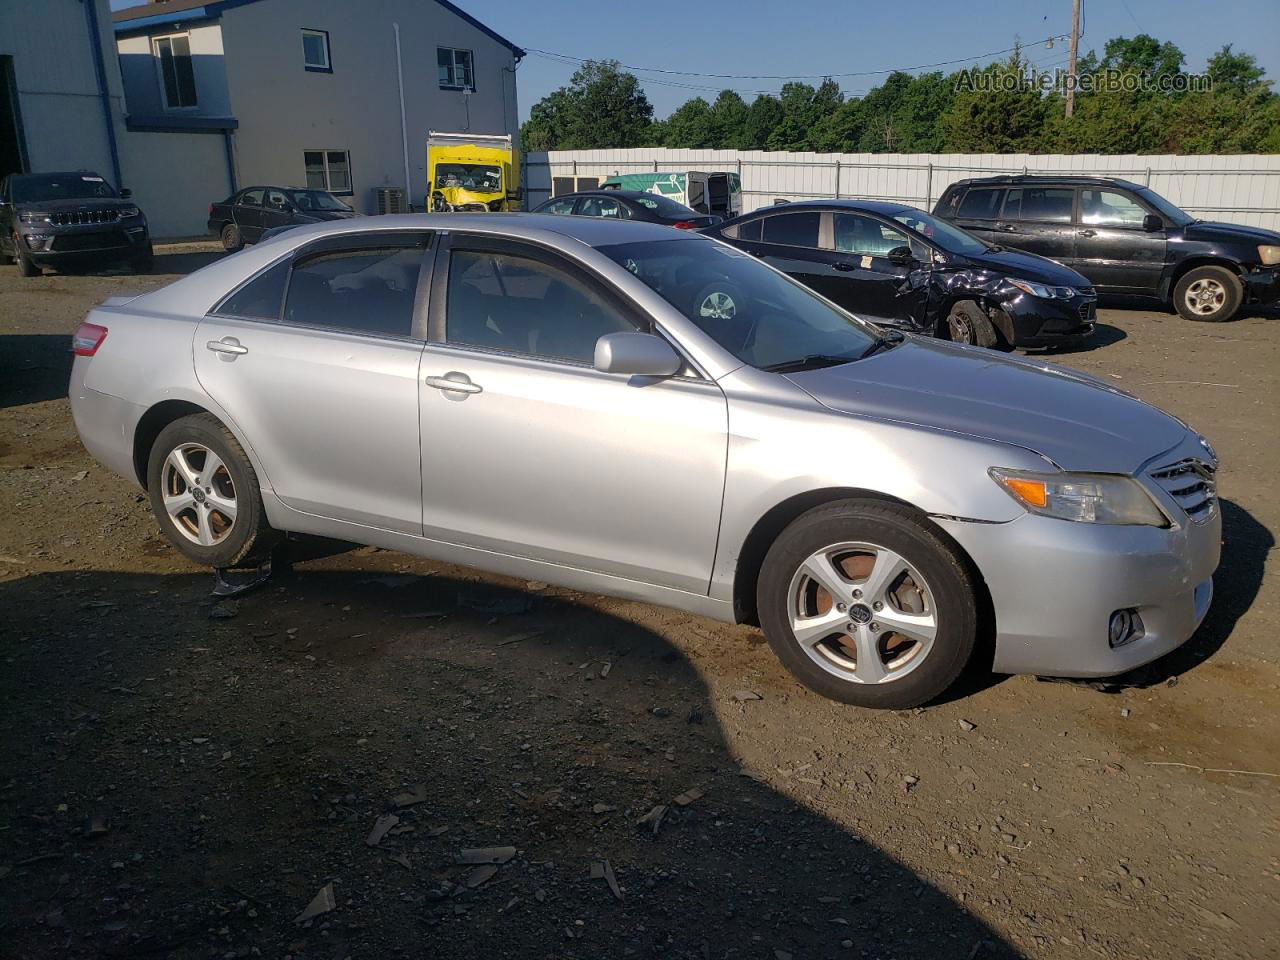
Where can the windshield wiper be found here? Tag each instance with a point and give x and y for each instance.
(810, 362)
(890, 338)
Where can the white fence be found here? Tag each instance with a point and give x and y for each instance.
(1241, 189)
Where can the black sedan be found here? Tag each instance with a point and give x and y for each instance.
(901, 267)
(628, 205)
(245, 216)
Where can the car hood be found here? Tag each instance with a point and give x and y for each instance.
(1076, 421)
(1208, 230)
(1026, 266)
(321, 216)
(69, 206)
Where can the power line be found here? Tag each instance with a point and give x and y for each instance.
(564, 57)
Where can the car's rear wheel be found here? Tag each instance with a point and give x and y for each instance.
(231, 239)
(867, 604)
(205, 494)
(1209, 294)
(966, 323)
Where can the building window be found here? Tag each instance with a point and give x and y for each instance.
(177, 75)
(315, 51)
(455, 69)
(328, 170)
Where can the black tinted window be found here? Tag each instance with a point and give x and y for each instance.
(855, 233)
(1039, 203)
(981, 204)
(749, 230)
(252, 198)
(520, 305)
(797, 229)
(259, 299)
(366, 291)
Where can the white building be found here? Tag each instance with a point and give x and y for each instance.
(221, 94)
(60, 94)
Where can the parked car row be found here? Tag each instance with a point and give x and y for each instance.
(247, 215)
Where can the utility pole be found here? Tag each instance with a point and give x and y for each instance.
(1071, 56)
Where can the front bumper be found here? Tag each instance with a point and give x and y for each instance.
(54, 244)
(1262, 285)
(1054, 585)
(1038, 322)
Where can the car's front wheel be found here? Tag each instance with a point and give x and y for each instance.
(1211, 294)
(867, 604)
(205, 495)
(26, 266)
(231, 238)
(966, 323)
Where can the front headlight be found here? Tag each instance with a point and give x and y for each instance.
(1082, 497)
(32, 216)
(1043, 291)
(1270, 254)
(127, 212)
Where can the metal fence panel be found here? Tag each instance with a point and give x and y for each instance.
(1241, 189)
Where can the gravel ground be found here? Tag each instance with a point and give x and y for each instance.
(182, 780)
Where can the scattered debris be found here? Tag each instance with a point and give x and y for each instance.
(654, 817)
(1113, 768)
(661, 712)
(604, 670)
(380, 828)
(909, 782)
(742, 696)
(226, 610)
(403, 860)
(600, 869)
(322, 902)
(695, 717)
(967, 725)
(688, 797)
(426, 615)
(96, 825)
(536, 585)
(82, 475)
(1125, 711)
(411, 797)
(520, 638)
(1192, 766)
(480, 875)
(490, 603)
(487, 855)
(600, 808)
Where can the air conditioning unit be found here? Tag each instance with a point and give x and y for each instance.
(390, 200)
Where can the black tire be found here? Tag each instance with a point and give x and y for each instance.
(894, 528)
(966, 323)
(231, 239)
(249, 536)
(1221, 291)
(144, 262)
(26, 266)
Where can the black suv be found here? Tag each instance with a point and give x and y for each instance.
(74, 219)
(901, 267)
(1128, 240)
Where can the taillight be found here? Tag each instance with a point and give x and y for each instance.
(683, 225)
(88, 339)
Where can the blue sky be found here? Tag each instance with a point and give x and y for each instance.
(813, 37)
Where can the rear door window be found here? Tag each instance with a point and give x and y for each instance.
(981, 203)
(363, 290)
(562, 207)
(252, 198)
(603, 207)
(1050, 204)
(260, 298)
(792, 229)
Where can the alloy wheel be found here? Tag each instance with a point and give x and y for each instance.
(718, 306)
(862, 613)
(1205, 296)
(199, 494)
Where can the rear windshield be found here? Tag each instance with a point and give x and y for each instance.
(663, 206)
(30, 188)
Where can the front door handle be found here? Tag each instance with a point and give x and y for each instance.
(1006, 227)
(452, 383)
(229, 347)
(1088, 233)
(844, 266)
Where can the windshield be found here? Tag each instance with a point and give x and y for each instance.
(756, 313)
(664, 206)
(60, 186)
(950, 238)
(318, 200)
(470, 176)
(1167, 210)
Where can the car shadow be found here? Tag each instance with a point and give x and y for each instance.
(184, 786)
(34, 367)
(185, 262)
(1104, 335)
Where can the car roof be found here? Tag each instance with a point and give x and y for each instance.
(1046, 179)
(625, 194)
(592, 231)
(885, 208)
(31, 175)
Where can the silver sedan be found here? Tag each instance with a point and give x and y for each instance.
(632, 410)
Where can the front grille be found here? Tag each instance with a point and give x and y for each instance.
(82, 217)
(88, 241)
(1193, 485)
(474, 207)
(1088, 311)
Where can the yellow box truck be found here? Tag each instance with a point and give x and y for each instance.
(472, 172)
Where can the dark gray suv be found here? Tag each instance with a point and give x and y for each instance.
(75, 220)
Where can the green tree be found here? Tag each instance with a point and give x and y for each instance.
(1143, 55)
(993, 112)
(1236, 74)
(803, 106)
(693, 126)
(729, 121)
(603, 106)
(763, 117)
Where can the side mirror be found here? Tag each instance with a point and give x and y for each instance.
(636, 354)
(125, 193)
(1151, 223)
(902, 255)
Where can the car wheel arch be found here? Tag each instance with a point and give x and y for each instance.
(1184, 267)
(159, 415)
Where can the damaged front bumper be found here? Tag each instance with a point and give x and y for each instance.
(1262, 285)
(1039, 322)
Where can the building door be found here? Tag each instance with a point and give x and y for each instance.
(13, 146)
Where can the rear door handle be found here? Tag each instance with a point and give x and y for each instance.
(1088, 233)
(454, 382)
(1006, 227)
(229, 347)
(844, 266)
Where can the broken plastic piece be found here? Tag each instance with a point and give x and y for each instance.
(322, 902)
(487, 855)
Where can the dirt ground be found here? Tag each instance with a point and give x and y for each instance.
(174, 785)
